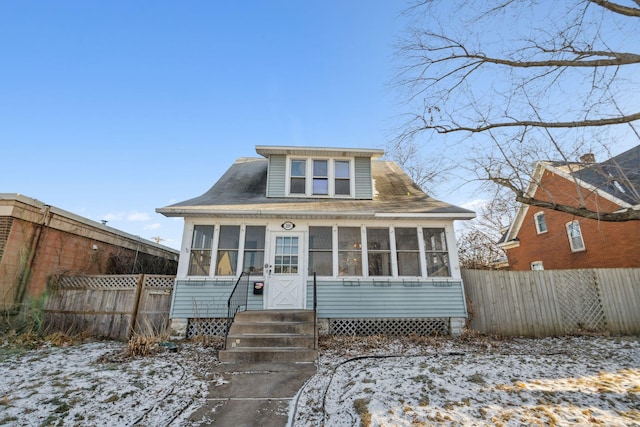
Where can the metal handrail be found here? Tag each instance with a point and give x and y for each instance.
(238, 298)
(315, 312)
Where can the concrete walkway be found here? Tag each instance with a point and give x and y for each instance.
(257, 394)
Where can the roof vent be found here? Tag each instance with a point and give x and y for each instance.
(588, 158)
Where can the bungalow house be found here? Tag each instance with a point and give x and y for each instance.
(379, 253)
(542, 238)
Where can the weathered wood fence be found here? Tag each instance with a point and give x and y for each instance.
(553, 302)
(110, 306)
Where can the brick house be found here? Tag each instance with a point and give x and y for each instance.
(38, 241)
(547, 239)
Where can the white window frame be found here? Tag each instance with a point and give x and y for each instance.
(537, 223)
(575, 224)
(537, 266)
(331, 177)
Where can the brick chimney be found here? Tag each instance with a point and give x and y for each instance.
(588, 158)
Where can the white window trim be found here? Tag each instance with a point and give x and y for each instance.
(568, 227)
(535, 264)
(331, 177)
(535, 221)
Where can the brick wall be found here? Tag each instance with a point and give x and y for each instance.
(607, 244)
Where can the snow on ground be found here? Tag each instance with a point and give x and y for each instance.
(555, 381)
(95, 385)
(371, 381)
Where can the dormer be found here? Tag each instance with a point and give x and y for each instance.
(319, 172)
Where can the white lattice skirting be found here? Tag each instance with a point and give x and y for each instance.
(350, 327)
(391, 327)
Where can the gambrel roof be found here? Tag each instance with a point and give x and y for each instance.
(241, 192)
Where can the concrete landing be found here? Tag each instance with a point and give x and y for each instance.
(256, 394)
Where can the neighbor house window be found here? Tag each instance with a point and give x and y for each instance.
(297, 184)
(537, 265)
(378, 252)
(321, 177)
(320, 251)
(200, 254)
(575, 236)
(407, 251)
(435, 247)
(254, 250)
(541, 223)
(228, 243)
(342, 175)
(349, 251)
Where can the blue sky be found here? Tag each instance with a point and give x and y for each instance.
(113, 109)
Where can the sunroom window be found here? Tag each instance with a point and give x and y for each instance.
(201, 246)
(227, 260)
(437, 256)
(378, 252)
(254, 250)
(407, 251)
(349, 251)
(320, 251)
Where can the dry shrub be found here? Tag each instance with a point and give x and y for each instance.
(142, 346)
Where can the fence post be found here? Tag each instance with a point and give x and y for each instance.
(136, 306)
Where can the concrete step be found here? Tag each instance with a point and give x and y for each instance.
(267, 354)
(276, 316)
(243, 327)
(270, 340)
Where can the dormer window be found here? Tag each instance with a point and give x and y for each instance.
(320, 177)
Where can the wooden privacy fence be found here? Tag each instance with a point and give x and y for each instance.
(113, 306)
(553, 302)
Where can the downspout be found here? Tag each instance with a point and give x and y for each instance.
(25, 273)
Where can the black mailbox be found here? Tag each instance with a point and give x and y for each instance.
(258, 287)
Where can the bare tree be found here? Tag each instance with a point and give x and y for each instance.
(520, 81)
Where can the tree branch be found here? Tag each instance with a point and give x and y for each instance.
(617, 8)
(621, 216)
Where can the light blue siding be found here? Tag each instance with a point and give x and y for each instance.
(338, 300)
(277, 176)
(206, 298)
(363, 180)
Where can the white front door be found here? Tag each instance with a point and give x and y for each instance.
(285, 287)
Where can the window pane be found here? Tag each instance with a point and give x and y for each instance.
(298, 168)
(349, 251)
(202, 236)
(321, 263)
(320, 186)
(435, 239)
(227, 261)
(378, 238)
(320, 237)
(297, 186)
(320, 251)
(379, 264)
(438, 264)
(320, 168)
(254, 237)
(541, 223)
(349, 238)
(343, 187)
(199, 262)
(406, 239)
(229, 237)
(350, 263)
(254, 250)
(409, 264)
(342, 169)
